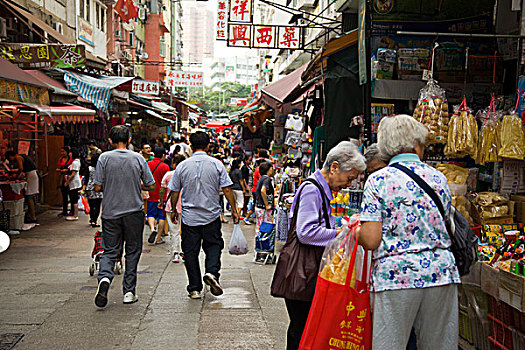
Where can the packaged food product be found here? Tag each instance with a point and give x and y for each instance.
(512, 138)
(461, 203)
(336, 258)
(462, 138)
(485, 199)
(432, 111)
(454, 174)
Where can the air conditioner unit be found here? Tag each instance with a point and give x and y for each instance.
(144, 56)
(142, 13)
(59, 27)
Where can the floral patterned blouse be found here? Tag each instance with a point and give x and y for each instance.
(413, 252)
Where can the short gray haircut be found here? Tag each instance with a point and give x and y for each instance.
(373, 153)
(400, 134)
(347, 155)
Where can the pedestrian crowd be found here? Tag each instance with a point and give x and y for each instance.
(178, 191)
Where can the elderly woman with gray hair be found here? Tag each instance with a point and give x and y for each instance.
(414, 273)
(314, 228)
(375, 160)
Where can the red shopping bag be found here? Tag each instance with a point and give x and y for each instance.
(340, 314)
(85, 203)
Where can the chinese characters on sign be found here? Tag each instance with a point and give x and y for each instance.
(288, 38)
(44, 55)
(145, 87)
(240, 11)
(184, 79)
(220, 34)
(264, 36)
(239, 35)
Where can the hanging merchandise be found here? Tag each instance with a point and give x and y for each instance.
(293, 139)
(489, 135)
(512, 137)
(432, 111)
(294, 122)
(462, 137)
(295, 153)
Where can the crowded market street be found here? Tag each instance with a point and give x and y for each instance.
(47, 298)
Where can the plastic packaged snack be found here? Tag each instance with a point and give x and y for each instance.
(336, 258)
(432, 111)
(489, 142)
(512, 138)
(454, 174)
(462, 138)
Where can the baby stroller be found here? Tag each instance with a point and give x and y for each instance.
(98, 249)
(265, 244)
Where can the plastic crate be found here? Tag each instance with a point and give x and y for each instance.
(465, 327)
(481, 331)
(518, 340)
(501, 311)
(495, 345)
(501, 333)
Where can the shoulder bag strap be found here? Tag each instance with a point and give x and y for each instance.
(424, 186)
(325, 202)
(156, 167)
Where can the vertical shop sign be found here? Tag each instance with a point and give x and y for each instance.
(264, 36)
(240, 11)
(361, 41)
(288, 37)
(220, 33)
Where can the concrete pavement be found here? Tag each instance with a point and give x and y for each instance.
(47, 298)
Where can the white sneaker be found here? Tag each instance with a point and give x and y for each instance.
(176, 258)
(195, 295)
(130, 298)
(247, 221)
(71, 218)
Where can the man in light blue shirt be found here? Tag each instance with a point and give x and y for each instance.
(200, 178)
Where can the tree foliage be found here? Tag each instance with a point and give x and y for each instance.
(219, 101)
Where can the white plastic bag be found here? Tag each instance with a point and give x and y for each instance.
(80, 204)
(238, 244)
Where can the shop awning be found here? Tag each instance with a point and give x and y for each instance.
(57, 87)
(95, 90)
(165, 108)
(31, 19)
(71, 114)
(158, 119)
(275, 94)
(17, 85)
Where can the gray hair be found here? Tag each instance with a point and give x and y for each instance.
(347, 155)
(400, 134)
(373, 153)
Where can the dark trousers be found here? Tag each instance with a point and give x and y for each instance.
(74, 196)
(298, 312)
(65, 198)
(94, 209)
(128, 230)
(210, 238)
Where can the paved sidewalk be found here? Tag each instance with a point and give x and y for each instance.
(47, 295)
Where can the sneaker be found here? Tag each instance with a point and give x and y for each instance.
(152, 236)
(130, 298)
(211, 281)
(101, 299)
(247, 221)
(176, 258)
(71, 218)
(194, 295)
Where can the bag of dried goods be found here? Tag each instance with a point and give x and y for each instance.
(432, 111)
(512, 138)
(454, 174)
(462, 138)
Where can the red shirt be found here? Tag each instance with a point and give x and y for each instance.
(256, 177)
(158, 168)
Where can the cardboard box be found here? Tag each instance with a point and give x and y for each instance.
(512, 290)
(490, 280)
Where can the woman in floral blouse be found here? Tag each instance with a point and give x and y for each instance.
(414, 273)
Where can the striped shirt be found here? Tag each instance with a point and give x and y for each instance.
(311, 226)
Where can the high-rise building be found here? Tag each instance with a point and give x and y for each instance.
(198, 33)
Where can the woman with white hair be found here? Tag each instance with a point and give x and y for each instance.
(314, 228)
(375, 160)
(414, 273)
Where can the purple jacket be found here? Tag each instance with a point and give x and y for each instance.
(311, 226)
